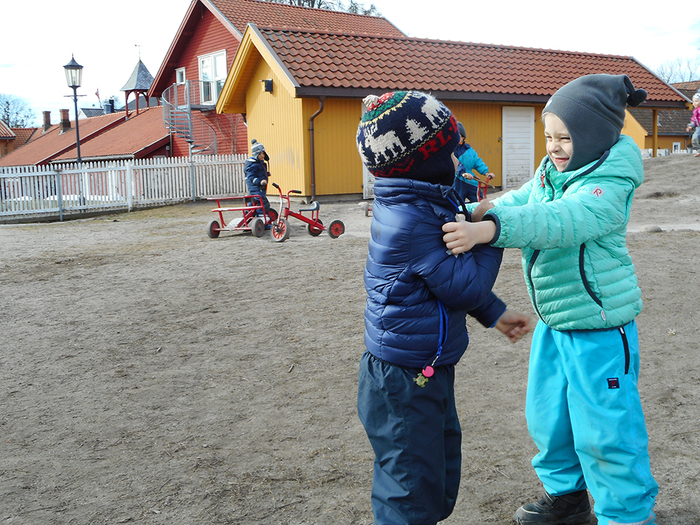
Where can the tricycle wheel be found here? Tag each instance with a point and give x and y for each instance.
(336, 229)
(272, 215)
(314, 230)
(257, 226)
(280, 230)
(213, 229)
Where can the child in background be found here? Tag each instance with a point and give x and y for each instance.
(466, 184)
(694, 125)
(583, 408)
(256, 175)
(418, 297)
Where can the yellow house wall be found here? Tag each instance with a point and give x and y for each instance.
(633, 129)
(484, 126)
(338, 164)
(276, 120)
(281, 123)
(666, 142)
(482, 122)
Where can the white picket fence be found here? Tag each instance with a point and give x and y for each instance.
(72, 189)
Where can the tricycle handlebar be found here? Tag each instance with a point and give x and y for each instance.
(295, 191)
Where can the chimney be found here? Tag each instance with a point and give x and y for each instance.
(47, 120)
(65, 121)
(109, 106)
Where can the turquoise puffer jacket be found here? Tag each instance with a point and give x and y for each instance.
(571, 227)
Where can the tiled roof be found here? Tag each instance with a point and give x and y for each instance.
(271, 14)
(688, 88)
(47, 145)
(235, 15)
(321, 62)
(6, 132)
(24, 135)
(131, 138)
(671, 122)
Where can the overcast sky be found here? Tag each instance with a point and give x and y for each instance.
(106, 38)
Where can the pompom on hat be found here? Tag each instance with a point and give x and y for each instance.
(592, 108)
(407, 134)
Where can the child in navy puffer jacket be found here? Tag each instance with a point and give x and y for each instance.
(418, 297)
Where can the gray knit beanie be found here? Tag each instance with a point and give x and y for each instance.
(592, 108)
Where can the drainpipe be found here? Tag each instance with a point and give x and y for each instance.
(321, 101)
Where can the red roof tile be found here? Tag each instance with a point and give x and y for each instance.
(235, 15)
(24, 135)
(6, 132)
(127, 139)
(324, 61)
(271, 14)
(52, 143)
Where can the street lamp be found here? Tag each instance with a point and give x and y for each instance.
(74, 76)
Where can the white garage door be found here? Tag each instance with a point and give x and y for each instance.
(518, 146)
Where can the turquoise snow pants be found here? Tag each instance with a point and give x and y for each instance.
(585, 416)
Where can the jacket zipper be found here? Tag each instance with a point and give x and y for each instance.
(530, 265)
(586, 284)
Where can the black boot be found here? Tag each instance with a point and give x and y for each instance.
(556, 510)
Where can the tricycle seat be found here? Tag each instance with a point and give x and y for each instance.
(315, 206)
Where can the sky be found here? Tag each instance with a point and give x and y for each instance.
(108, 38)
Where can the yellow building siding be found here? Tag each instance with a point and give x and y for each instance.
(274, 120)
(338, 164)
(484, 126)
(666, 142)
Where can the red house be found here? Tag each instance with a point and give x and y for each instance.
(195, 67)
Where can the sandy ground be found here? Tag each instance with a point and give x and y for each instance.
(150, 374)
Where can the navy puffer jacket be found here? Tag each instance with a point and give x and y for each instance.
(417, 294)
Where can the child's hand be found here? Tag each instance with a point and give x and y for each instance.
(479, 212)
(513, 325)
(463, 236)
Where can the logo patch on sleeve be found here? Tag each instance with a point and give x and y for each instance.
(613, 382)
(598, 191)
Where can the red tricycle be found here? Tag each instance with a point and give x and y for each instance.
(280, 227)
(254, 219)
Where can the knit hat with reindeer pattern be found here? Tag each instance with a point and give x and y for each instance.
(410, 135)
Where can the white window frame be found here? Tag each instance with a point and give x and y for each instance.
(212, 75)
(676, 147)
(180, 75)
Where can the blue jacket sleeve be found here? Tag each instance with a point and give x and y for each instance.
(462, 282)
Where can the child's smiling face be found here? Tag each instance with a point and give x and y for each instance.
(559, 146)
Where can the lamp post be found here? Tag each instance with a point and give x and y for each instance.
(74, 76)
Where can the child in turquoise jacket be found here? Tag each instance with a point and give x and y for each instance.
(583, 408)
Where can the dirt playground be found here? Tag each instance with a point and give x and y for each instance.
(152, 375)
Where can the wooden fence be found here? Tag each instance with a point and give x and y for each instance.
(73, 189)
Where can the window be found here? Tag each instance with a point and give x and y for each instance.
(180, 76)
(676, 147)
(212, 75)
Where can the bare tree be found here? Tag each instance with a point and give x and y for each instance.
(334, 5)
(679, 70)
(15, 112)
